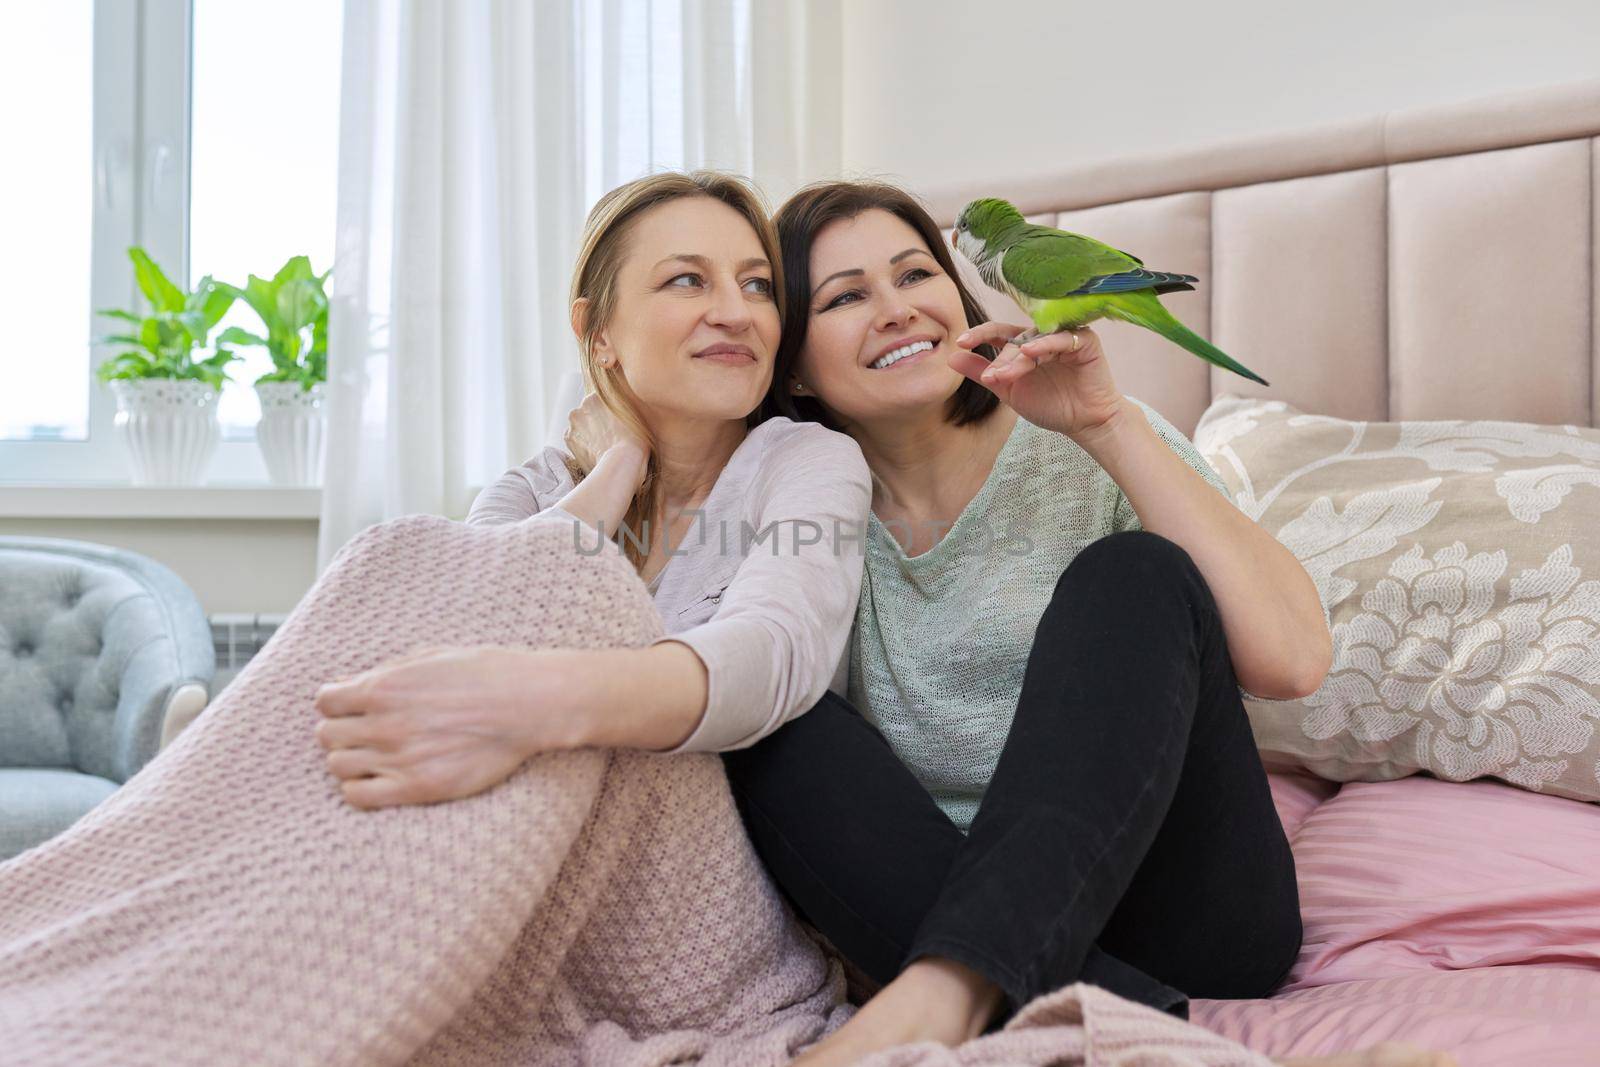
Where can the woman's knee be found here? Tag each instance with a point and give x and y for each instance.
(379, 540)
(802, 744)
(1130, 548)
(599, 596)
(1131, 566)
(598, 574)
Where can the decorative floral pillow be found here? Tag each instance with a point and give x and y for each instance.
(1459, 562)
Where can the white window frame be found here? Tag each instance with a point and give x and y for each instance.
(141, 197)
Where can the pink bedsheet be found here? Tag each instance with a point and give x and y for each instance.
(1460, 916)
(1488, 1017)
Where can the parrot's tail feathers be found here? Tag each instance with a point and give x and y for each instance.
(1143, 309)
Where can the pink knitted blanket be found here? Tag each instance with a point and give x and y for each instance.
(226, 906)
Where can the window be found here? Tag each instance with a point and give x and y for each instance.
(204, 131)
(45, 53)
(264, 175)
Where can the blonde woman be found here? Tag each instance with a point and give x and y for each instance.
(748, 536)
(237, 887)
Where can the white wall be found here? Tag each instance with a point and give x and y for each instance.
(947, 91)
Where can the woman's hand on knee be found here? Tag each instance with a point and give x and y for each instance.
(441, 723)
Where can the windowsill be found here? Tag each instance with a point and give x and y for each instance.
(118, 500)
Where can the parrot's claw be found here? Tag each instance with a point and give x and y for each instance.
(1025, 336)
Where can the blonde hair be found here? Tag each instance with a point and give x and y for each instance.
(594, 279)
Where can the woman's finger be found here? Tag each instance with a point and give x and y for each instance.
(1048, 354)
(354, 762)
(1001, 361)
(340, 698)
(366, 691)
(989, 333)
(377, 792)
(1066, 344)
(1009, 355)
(1016, 366)
(354, 731)
(969, 365)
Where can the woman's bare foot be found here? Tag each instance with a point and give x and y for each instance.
(940, 1000)
(1385, 1054)
(931, 1000)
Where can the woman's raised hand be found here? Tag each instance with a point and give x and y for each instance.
(593, 431)
(1060, 381)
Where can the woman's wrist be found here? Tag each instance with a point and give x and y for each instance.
(544, 703)
(1106, 440)
(649, 698)
(602, 498)
(630, 459)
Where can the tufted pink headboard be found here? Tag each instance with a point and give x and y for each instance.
(1429, 264)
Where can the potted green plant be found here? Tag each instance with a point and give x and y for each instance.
(166, 399)
(293, 308)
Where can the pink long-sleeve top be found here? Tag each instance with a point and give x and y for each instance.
(763, 586)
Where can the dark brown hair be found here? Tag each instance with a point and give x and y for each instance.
(799, 221)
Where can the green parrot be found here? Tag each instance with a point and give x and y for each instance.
(1066, 280)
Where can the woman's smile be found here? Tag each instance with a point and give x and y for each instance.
(902, 353)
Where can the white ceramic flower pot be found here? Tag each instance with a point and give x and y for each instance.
(169, 427)
(292, 432)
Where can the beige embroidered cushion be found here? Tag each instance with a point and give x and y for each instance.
(1460, 565)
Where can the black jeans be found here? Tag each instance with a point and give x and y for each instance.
(1127, 837)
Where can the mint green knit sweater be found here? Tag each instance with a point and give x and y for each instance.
(941, 639)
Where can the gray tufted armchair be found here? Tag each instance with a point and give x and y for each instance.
(104, 656)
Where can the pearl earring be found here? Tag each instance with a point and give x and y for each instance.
(799, 387)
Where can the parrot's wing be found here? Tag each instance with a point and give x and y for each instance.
(1046, 264)
(1159, 280)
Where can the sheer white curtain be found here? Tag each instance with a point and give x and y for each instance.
(474, 136)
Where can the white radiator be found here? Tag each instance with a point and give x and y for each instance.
(237, 637)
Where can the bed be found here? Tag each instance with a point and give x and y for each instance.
(1405, 273)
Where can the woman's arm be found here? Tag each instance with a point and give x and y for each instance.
(1277, 630)
(755, 664)
(615, 459)
(783, 622)
(602, 498)
(450, 722)
(779, 631)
